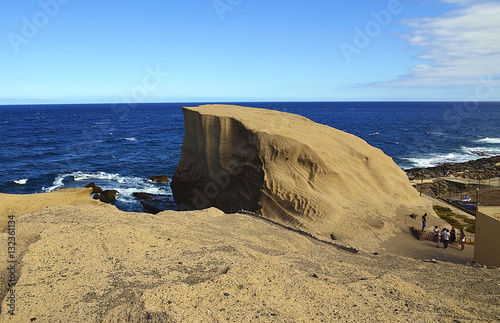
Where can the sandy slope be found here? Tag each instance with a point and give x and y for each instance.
(95, 263)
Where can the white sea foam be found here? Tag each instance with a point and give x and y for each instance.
(131, 139)
(482, 151)
(438, 159)
(489, 140)
(81, 176)
(57, 184)
(125, 185)
(126, 194)
(21, 181)
(466, 154)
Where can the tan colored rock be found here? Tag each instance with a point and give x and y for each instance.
(14, 204)
(292, 170)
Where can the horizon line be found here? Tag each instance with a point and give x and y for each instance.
(232, 102)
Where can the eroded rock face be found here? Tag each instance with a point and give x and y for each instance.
(289, 169)
(219, 167)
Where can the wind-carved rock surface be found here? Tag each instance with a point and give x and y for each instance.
(292, 170)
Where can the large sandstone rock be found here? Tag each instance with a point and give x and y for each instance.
(292, 170)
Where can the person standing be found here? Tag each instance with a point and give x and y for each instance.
(453, 235)
(436, 231)
(462, 239)
(446, 238)
(438, 238)
(424, 221)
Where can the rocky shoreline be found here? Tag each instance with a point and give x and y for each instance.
(453, 181)
(482, 168)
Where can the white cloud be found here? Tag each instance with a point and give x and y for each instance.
(458, 48)
(459, 2)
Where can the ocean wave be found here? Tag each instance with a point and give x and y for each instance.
(489, 140)
(82, 176)
(21, 181)
(482, 151)
(125, 185)
(126, 194)
(436, 159)
(463, 155)
(432, 160)
(56, 184)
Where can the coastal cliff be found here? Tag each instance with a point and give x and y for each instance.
(292, 170)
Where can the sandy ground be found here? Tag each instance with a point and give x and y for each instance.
(405, 244)
(93, 263)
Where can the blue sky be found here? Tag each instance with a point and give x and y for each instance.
(75, 51)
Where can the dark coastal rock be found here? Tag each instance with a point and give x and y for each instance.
(108, 196)
(479, 153)
(155, 203)
(445, 187)
(150, 208)
(95, 188)
(159, 179)
(144, 196)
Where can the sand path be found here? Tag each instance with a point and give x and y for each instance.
(406, 245)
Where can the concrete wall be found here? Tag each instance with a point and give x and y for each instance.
(487, 250)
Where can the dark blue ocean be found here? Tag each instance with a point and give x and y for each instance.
(46, 147)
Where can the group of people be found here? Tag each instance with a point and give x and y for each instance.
(447, 236)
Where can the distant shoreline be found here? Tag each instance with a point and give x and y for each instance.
(482, 168)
